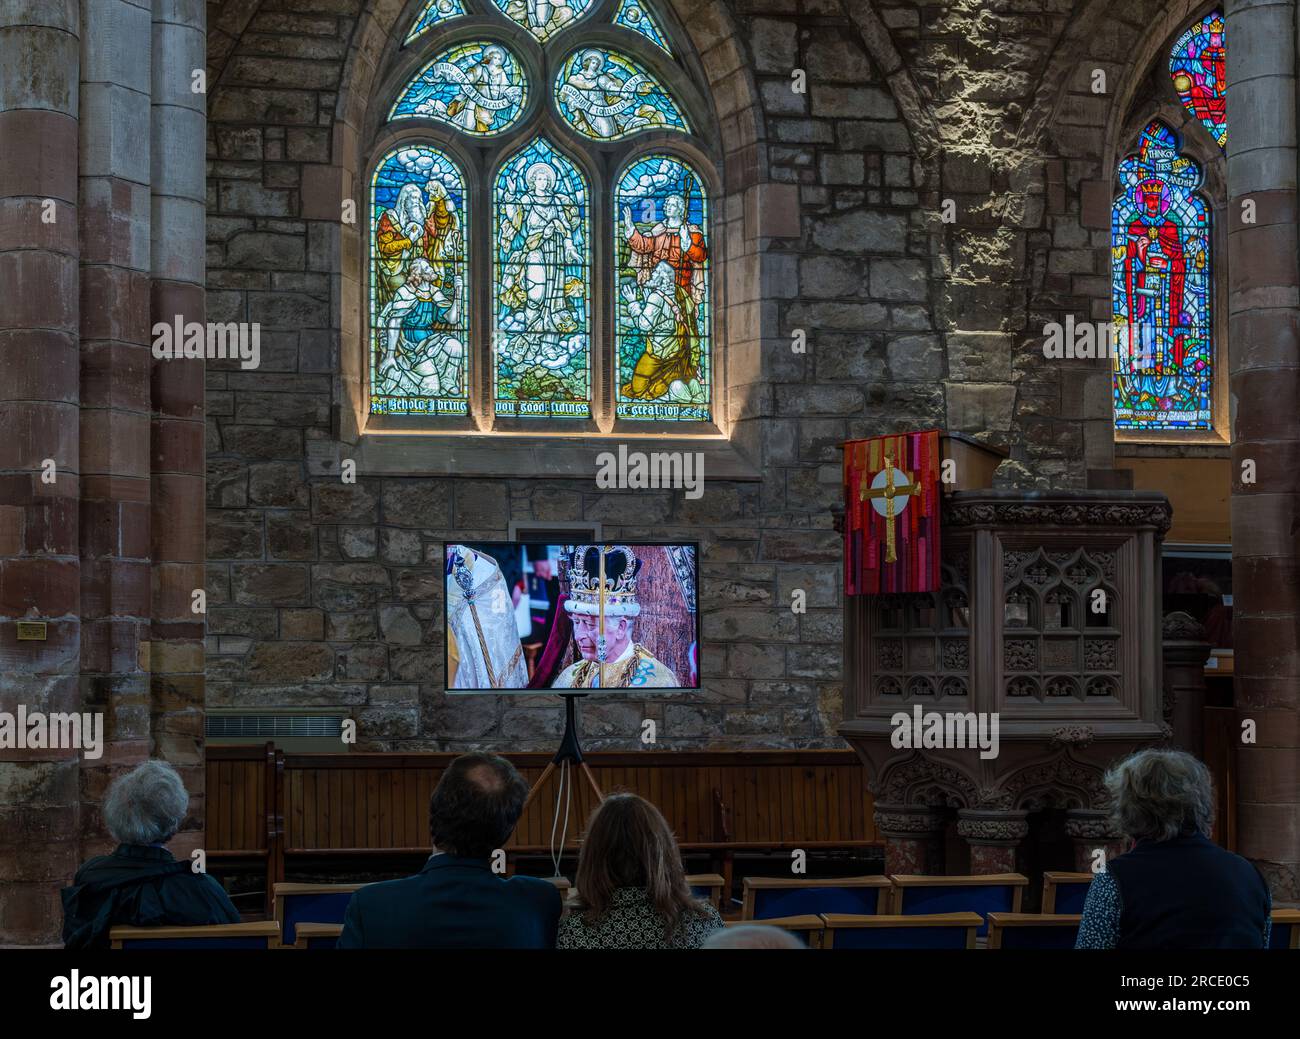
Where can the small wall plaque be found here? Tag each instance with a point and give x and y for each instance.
(31, 631)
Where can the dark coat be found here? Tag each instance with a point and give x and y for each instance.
(453, 903)
(139, 886)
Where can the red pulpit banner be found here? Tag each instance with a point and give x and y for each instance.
(891, 514)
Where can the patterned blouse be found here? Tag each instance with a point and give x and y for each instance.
(631, 922)
(1099, 928)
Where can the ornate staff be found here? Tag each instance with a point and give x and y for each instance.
(600, 636)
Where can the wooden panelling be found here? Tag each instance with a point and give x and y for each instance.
(341, 802)
(1197, 488)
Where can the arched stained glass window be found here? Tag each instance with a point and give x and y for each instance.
(634, 15)
(1198, 65)
(542, 286)
(1161, 282)
(434, 13)
(662, 253)
(478, 88)
(587, 301)
(606, 96)
(544, 18)
(419, 317)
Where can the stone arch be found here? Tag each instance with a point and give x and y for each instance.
(917, 779)
(1059, 781)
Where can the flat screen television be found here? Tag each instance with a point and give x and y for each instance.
(528, 617)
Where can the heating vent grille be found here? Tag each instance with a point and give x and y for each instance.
(274, 726)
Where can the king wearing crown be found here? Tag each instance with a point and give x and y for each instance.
(602, 605)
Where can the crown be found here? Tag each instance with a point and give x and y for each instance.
(621, 566)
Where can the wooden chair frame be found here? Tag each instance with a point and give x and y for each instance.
(753, 884)
(812, 926)
(1052, 879)
(844, 921)
(1290, 917)
(269, 929)
(281, 891)
(305, 932)
(901, 882)
(1000, 921)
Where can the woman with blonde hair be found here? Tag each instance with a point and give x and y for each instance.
(631, 888)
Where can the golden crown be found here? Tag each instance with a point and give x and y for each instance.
(621, 567)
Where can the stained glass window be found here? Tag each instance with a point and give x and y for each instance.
(518, 327)
(435, 11)
(662, 307)
(419, 317)
(1161, 279)
(542, 286)
(1198, 65)
(544, 18)
(478, 88)
(604, 95)
(632, 14)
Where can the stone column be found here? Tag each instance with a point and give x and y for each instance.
(1264, 341)
(913, 838)
(994, 837)
(39, 463)
(179, 193)
(1091, 831)
(1185, 653)
(115, 363)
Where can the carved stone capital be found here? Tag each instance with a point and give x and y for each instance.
(1084, 825)
(1072, 736)
(1182, 627)
(894, 820)
(985, 827)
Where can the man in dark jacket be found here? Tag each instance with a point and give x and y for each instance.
(140, 884)
(456, 901)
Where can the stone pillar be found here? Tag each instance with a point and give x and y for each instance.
(115, 363)
(1185, 652)
(1091, 831)
(994, 837)
(39, 463)
(913, 838)
(179, 194)
(1264, 340)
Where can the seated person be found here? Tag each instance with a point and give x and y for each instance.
(1175, 889)
(456, 901)
(631, 888)
(623, 662)
(753, 936)
(140, 884)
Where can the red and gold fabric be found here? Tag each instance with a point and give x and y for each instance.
(891, 514)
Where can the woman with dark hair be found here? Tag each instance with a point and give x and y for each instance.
(631, 888)
(1175, 888)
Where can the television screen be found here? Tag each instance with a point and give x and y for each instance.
(529, 616)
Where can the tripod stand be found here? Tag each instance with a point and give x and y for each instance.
(569, 753)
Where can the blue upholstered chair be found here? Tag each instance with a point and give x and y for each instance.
(261, 935)
(808, 928)
(707, 886)
(317, 936)
(930, 931)
(310, 903)
(1065, 892)
(982, 893)
(1286, 929)
(1033, 930)
(766, 897)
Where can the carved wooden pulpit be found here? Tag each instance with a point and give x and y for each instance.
(1048, 615)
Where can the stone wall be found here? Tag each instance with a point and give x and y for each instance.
(322, 593)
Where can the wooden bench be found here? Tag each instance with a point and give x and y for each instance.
(263, 934)
(922, 931)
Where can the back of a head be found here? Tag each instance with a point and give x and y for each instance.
(753, 936)
(474, 809)
(629, 844)
(146, 805)
(1159, 794)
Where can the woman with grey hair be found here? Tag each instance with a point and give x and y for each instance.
(140, 884)
(1174, 888)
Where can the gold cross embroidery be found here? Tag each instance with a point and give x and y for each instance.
(889, 492)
